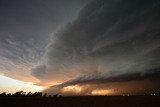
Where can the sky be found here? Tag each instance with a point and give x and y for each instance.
(25, 30)
(81, 47)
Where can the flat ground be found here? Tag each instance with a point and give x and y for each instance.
(81, 101)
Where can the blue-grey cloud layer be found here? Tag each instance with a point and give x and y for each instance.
(26, 27)
(109, 38)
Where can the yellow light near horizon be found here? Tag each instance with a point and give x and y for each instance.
(10, 85)
(73, 88)
(102, 92)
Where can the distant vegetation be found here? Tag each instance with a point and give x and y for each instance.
(29, 94)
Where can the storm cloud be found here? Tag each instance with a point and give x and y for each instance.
(25, 30)
(111, 37)
(89, 45)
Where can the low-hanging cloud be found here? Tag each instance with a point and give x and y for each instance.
(110, 39)
(102, 84)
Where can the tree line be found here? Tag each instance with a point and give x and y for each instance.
(29, 94)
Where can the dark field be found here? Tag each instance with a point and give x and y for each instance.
(87, 101)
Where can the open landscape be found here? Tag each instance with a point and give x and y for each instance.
(81, 101)
(79, 53)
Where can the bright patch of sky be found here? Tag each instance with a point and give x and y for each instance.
(11, 85)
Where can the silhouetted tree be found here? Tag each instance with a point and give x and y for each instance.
(3, 94)
(45, 95)
(19, 93)
(56, 95)
(29, 94)
(38, 94)
(9, 94)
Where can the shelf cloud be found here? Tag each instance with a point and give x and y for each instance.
(109, 41)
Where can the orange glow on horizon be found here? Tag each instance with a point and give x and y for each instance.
(76, 89)
(73, 88)
(102, 92)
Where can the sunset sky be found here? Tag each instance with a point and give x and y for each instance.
(80, 47)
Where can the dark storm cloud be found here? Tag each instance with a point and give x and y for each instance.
(132, 83)
(111, 37)
(26, 27)
(104, 78)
